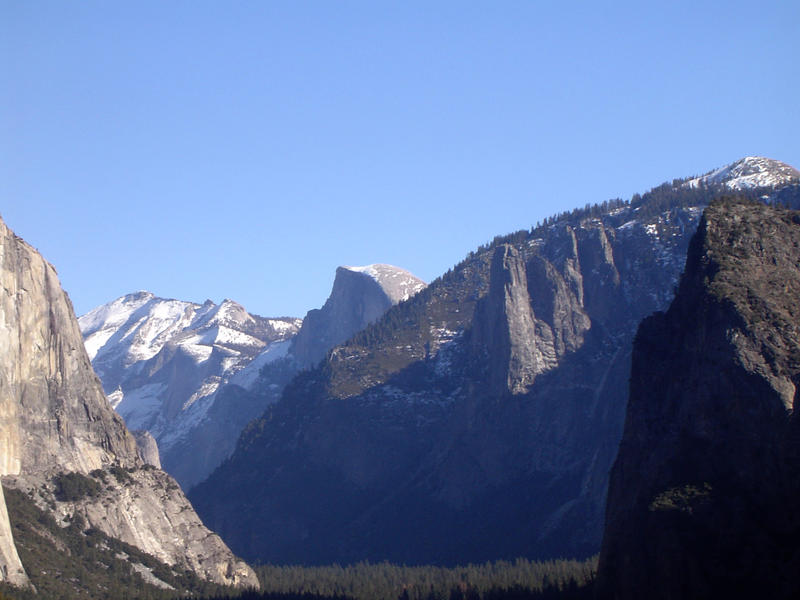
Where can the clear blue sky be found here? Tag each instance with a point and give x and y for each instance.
(245, 149)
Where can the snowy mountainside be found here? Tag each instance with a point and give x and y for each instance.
(137, 326)
(163, 361)
(748, 173)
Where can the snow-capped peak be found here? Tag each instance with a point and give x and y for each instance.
(113, 313)
(749, 172)
(226, 312)
(163, 361)
(397, 283)
(137, 326)
(140, 323)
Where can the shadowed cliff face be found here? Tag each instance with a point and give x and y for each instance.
(54, 418)
(702, 497)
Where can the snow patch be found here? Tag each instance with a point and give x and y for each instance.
(96, 341)
(226, 335)
(284, 326)
(139, 406)
(398, 284)
(115, 398)
(209, 387)
(247, 376)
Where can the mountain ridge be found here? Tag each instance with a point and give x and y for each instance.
(749, 172)
(163, 361)
(418, 406)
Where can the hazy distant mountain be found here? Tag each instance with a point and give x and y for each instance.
(163, 362)
(184, 371)
(479, 419)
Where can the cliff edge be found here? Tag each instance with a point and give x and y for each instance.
(55, 420)
(702, 494)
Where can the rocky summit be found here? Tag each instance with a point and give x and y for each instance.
(479, 419)
(360, 296)
(60, 438)
(702, 497)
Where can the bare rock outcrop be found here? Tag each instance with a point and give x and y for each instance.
(53, 410)
(11, 569)
(148, 448)
(54, 418)
(514, 344)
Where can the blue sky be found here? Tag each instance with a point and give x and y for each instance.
(244, 150)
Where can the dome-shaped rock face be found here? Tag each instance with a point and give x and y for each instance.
(398, 284)
(360, 296)
(54, 418)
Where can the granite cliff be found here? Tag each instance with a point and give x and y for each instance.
(702, 496)
(360, 296)
(55, 420)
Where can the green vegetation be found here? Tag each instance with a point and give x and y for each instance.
(503, 579)
(120, 474)
(666, 197)
(99, 474)
(76, 562)
(684, 498)
(70, 487)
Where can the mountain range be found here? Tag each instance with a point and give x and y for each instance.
(191, 374)
(475, 418)
(479, 419)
